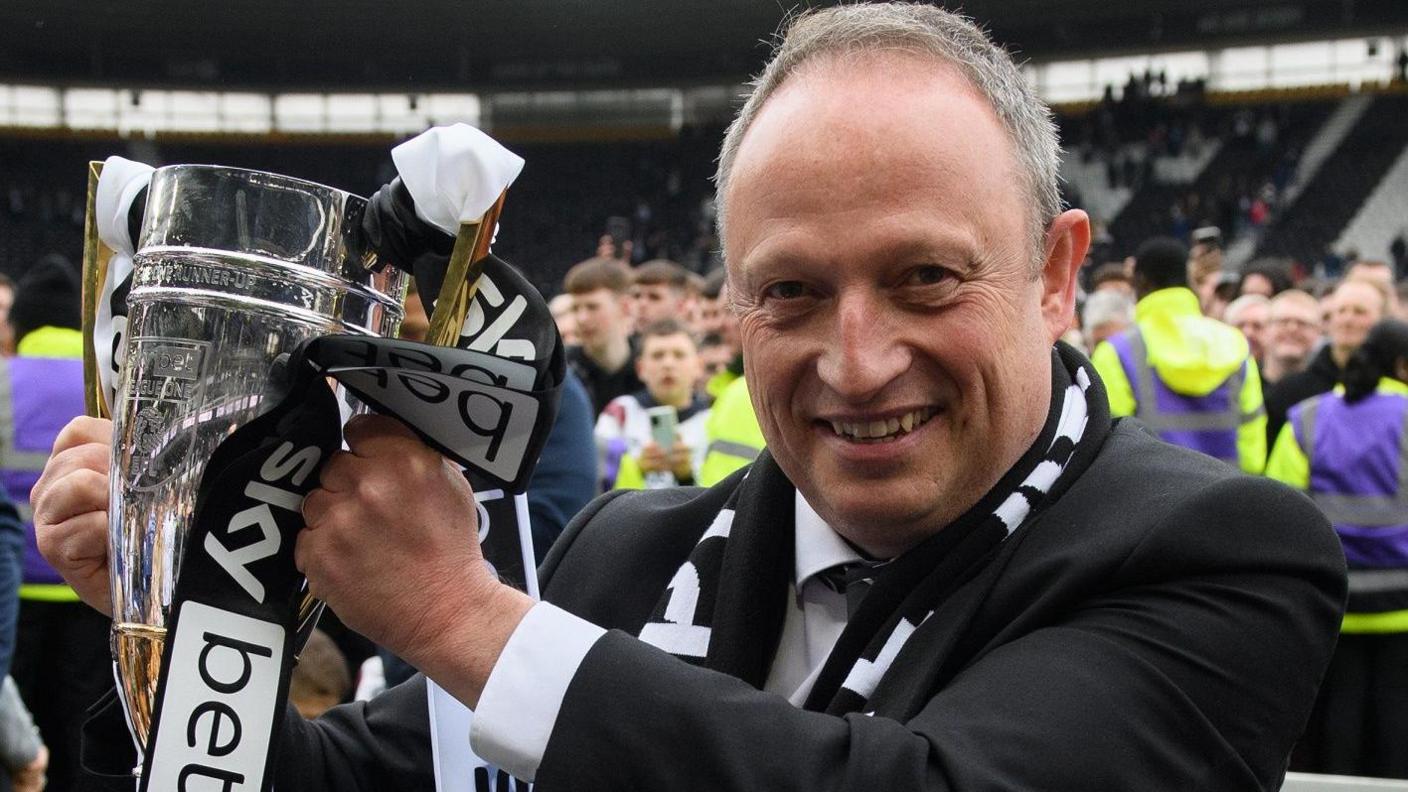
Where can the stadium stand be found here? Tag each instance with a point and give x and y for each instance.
(1343, 183)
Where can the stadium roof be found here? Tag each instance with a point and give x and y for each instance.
(477, 44)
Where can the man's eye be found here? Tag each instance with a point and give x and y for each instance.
(929, 275)
(786, 290)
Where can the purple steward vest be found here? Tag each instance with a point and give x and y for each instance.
(38, 396)
(1359, 479)
(1203, 423)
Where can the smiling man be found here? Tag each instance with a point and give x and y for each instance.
(949, 570)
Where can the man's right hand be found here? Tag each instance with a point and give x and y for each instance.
(71, 509)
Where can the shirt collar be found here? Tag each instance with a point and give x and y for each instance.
(818, 547)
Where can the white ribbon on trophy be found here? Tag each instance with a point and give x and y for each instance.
(123, 180)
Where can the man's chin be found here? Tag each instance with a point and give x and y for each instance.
(883, 518)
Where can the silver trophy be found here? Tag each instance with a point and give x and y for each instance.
(232, 269)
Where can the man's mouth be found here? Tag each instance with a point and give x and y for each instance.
(883, 430)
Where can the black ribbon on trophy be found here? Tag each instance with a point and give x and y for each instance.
(485, 397)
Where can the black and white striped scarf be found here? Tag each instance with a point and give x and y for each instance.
(724, 607)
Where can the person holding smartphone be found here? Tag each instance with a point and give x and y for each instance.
(654, 438)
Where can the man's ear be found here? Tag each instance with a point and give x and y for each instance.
(1067, 240)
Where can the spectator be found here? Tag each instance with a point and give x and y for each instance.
(1355, 306)
(714, 314)
(693, 295)
(1345, 449)
(715, 356)
(7, 299)
(561, 309)
(1293, 330)
(733, 436)
(669, 367)
(1266, 277)
(61, 660)
(320, 680)
(1113, 276)
(660, 290)
(717, 316)
(601, 304)
(1106, 312)
(1175, 363)
(1204, 276)
(1250, 313)
(1380, 273)
(1205, 271)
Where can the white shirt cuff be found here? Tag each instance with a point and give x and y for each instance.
(525, 690)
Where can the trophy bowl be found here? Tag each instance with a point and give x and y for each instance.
(232, 269)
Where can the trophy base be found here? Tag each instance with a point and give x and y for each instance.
(137, 650)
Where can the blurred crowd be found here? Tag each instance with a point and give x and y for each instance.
(1304, 380)
(1296, 373)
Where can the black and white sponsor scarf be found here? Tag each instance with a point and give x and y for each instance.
(724, 608)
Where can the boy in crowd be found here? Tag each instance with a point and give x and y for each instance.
(660, 291)
(715, 357)
(627, 433)
(601, 305)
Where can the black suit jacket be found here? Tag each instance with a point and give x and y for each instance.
(1163, 625)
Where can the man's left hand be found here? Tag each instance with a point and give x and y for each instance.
(392, 546)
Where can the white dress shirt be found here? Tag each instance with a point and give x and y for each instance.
(525, 690)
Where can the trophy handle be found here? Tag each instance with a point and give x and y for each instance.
(310, 611)
(96, 255)
(462, 276)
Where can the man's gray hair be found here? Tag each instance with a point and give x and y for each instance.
(1106, 305)
(925, 31)
(1234, 309)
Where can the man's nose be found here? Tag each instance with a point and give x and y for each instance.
(864, 351)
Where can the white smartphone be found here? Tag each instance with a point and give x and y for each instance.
(663, 421)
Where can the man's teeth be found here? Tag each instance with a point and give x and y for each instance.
(883, 430)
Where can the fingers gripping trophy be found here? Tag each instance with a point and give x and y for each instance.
(235, 319)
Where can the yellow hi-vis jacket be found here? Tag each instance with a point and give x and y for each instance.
(1192, 356)
(733, 435)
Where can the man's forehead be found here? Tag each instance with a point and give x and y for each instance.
(1357, 290)
(1294, 308)
(850, 92)
(858, 122)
